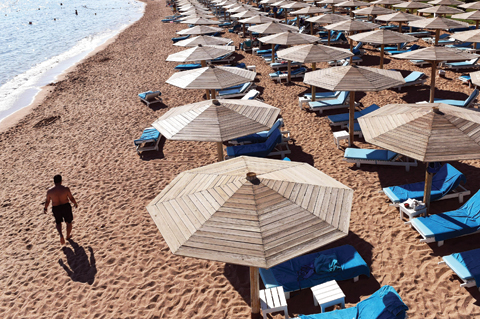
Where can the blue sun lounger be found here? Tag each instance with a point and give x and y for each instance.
(338, 39)
(376, 157)
(385, 303)
(175, 40)
(307, 97)
(322, 105)
(150, 97)
(267, 51)
(460, 45)
(299, 273)
(284, 64)
(412, 48)
(466, 266)
(466, 79)
(296, 73)
(235, 91)
(394, 48)
(470, 64)
(444, 184)
(460, 103)
(456, 223)
(273, 146)
(342, 119)
(148, 141)
(259, 137)
(414, 78)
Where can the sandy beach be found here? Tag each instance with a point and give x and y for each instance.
(117, 264)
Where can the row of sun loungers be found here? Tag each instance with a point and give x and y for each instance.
(468, 102)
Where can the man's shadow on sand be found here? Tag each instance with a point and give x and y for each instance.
(80, 268)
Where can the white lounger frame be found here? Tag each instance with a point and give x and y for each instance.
(156, 96)
(466, 283)
(281, 77)
(285, 139)
(454, 194)
(142, 148)
(281, 149)
(229, 96)
(285, 65)
(420, 81)
(332, 107)
(287, 294)
(393, 162)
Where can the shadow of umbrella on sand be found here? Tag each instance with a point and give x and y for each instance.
(250, 211)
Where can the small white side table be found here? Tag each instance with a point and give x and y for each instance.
(340, 135)
(328, 294)
(273, 300)
(252, 68)
(254, 51)
(410, 212)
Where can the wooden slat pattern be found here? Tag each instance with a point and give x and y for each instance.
(309, 10)
(475, 77)
(468, 36)
(387, 2)
(352, 3)
(412, 5)
(352, 25)
(200, 53)
(373, 10)
(201, 21)
(202, 40)
(289, 38)
(437, 54)
(247, 14)
(271, 28)
(328, 18)
(258, 19)
(382, 37)
(437, 23)
(311, 53)
(472, 15)
(199, 30)
(446, 2)
(441, 10)
(399, 16)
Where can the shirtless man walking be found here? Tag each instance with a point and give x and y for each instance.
(61, 208)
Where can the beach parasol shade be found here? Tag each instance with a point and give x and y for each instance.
(201, 29)
(472, 5)
(202, 40)
(471, 15)
(399, 17)
(475, 78)
(258, 19)
(467, 36)
(271, 28)
(351, 26)
(241, 8)
(446, 2)
(247, 14)
(200, 53)
(331, 3)
(328, 18)
(438, 24)
(412, 5)
(195, 16)
(435, 55)
(310, 10)
(373, 10)
(441, 10)
(425, 132)
(252, 211)
(382, 37)
(200, 21)
(354, 78)
(352, 3)
(386, 2)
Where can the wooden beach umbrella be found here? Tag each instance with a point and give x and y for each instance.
(195, 16)
(399, 17)
(475, 78)
(425, 132)
(352, 4)
(216, 121)
(441, 10)
(328, 18)
(311, 11)
(247, 14)
(351, 26)
(202, 40)
(435, 55)
(468, 36)
(211, 78)
(412, 5)
(446, 2)
(201, 53)
(200, 29)
(271, 28)
(251, 211)
(331, 3)
(472, 5)
(437, 24)
(293, 5)
(313, 53)
(387, 3)
(354, 78)
(240, 8)
(200, 21)
(257, 19)
(373, 11)
(288, 38)
(471, 15)
(382, 37)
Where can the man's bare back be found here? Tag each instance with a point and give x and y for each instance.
(60, 195)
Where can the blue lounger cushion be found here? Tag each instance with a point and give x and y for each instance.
(143, 95)
(464, 63)
(285, 64)
(446, 180)
(460, 45)
(189, 66)
(465, 264)
(338, 118)
(368, 154)
(260, 137)
(268, 51)
(257, 149)
(149, 135)
(320, 95)
(292, 72)
(412, 48)
(463, 221)
(459, 103)
(385, 303)
(340, 100)
(287, 275)
(237, 89)
(413, 77)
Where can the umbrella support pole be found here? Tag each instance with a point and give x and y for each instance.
(273, 54)
(213, 94)
(437, 36)
(328, 39)
(432, 83)
(314, 67)
(476, 24)
(208, 94)
(382, 52)
(311, 28)
(428, 189)
(351, 117)
(220, 151)
(255, 290)
(289, 71)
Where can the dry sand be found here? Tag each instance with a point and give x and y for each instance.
(118, 265)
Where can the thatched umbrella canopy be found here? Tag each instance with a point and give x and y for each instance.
(195, 16)
(446, 2)
(202, 40)
(437, 132)
(200, 53)
(412, 5)
(288, 38)
(200, 21)
(293, 5)
(437, 24)
(399, 17)
(382, 37)
(331, 3)
(468, 36)
(435, 55)
(272, 28)
(313, 53)
(247, 14)
(471, 15)
(373, 11)
(211, 78)
(441, 10)
(198, 30)
(472, 5)
(311, 11)
(351, 4)
(386, 3)
(352, 26)
(252, 211)
(328, 18)
(354, 78)
(216, 121)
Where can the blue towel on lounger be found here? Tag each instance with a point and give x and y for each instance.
(367, 154)
(148, 134)
(260, 137)
(344, 117)
(257, 149)
(463, 221)
(446, 180)
(466, 264)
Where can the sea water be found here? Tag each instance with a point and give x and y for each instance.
(39, 39)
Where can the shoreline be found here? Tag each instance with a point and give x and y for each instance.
(42, 92)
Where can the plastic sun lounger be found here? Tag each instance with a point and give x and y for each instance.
(296, 73)
(150, 97)
(188, 66)
(288, 273)
(261, 137)
(227, 58)
(440, 227)
(420, 62)
(148, 141)
(444, 184)
(235, 91)
(412, 48)
(357, 130)
(307, 97)
(284, 64)
(339, 39)
(470, 64)
(251, 95)
(394, 48)
(376, 157)
(419, 34)
(273, 146)
(466, 79)
(180, 38)
(342, 119)
(432, 39)
(322, 105)
(467, 103)
(355, 60)
(466, 265)
(267, 51)
(414, 78)
(460, 45)
(384, 303)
